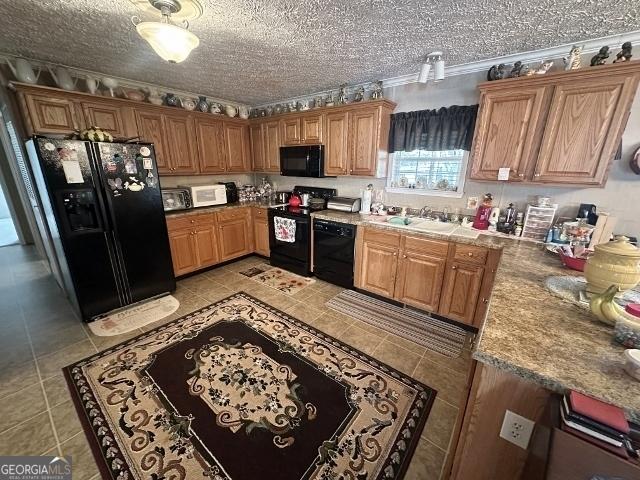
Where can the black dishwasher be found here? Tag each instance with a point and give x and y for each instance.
(333, 252)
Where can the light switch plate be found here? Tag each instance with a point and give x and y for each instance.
(517, 429)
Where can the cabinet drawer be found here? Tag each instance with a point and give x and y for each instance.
(178, 222)
(205, 219)
(469, 253)
(259, 213)
(425, 245)
(231, 214)
(382, 237)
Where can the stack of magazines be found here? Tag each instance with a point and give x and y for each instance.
(597, 422)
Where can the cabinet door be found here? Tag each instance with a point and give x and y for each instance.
(583, 131)
(420, 280)
(311, 129)
(336, 143)
(364, 126)
(460, 291)
(290, 128)
(206, 245)
(261, 236)
(181, 144)
(235, 238)
(256, 134)
(507, 133)
(183, 251)
(237, 140)
(114, 120)
(212, 151)
(51, 115)
(271, 131)
(151, 129)
(379, 264)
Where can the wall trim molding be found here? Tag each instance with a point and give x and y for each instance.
(532, 56)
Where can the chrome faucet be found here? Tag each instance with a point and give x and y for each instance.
(425, 212)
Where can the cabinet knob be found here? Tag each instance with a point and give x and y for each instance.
(521, 175)
(395, 254)
(470, 254)
(485, 300)
(193, 221)
(536, 174)
(404, 256)
(454, 268)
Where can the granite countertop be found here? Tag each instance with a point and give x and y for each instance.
(215, 208)
(531, 332)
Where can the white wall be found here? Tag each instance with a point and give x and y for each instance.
(620, 196)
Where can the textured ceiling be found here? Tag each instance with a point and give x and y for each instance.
(257, 51)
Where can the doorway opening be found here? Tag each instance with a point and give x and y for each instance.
(8, 233)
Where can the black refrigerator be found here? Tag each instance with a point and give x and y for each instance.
(104, 213)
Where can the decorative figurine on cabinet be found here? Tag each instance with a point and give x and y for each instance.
(600, 58)
(573, 62)
(543, 67)
(376, 93)
(359, 95)
(624, 55)
(342, 95)
(497, 72)
(516, 71)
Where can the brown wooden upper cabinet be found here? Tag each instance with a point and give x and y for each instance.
(238, 148)
(271, 132)
(558, 128)
(173, 136)
(256, 136)
(301, 129)
(356, 139)
(116, 120)
(50, 115)
(212, 150)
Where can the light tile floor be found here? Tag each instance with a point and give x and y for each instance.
(41, 334)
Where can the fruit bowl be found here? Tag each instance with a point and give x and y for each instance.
(574, 263)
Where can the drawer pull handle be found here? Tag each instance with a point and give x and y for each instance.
(395, 254)
(454, 268)
(404, 256)
(485, 300)
(193, 221)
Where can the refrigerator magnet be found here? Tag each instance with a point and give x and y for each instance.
(130, 167)
(110, 166)
(145, 152)
(147, 164)
(49, 146)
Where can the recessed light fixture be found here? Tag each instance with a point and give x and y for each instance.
(172, 42)
(434, 59)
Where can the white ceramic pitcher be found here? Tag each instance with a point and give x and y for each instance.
(23, 71)
(92, 84)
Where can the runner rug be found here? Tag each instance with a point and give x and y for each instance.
(418, 327)
(278, 278)
(239, 390)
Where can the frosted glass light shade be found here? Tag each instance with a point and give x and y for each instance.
(171, 42)
(438, 70)
(424, 72)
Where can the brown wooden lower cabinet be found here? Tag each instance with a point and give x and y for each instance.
(433, 275)
(183, 251)
(234, 233)
(261, 231)
(460, 291)
(206, 245)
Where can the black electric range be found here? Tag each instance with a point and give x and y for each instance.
(295, 255)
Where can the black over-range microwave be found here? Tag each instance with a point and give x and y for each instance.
(302, 161)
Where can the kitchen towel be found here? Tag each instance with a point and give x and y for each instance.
(285, 229)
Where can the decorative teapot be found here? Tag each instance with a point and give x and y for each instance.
(23, 71)
(613, 263)
(243, 112)
(154, 97)
(63, 78)
(111, 84)
(188, 103)
(230, 110)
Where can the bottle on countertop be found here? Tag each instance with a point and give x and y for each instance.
(481, 220)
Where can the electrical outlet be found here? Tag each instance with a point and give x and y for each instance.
(516, 429)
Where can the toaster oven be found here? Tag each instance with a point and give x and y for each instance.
(176, 199)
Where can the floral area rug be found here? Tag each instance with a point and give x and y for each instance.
(239, 390)
(278, 278)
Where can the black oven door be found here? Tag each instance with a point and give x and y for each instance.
(292, 256)
(303, 161)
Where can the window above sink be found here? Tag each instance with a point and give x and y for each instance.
(423, 172)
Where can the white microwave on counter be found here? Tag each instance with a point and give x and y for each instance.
(207, 195)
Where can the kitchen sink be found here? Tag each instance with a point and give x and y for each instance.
(433, 226)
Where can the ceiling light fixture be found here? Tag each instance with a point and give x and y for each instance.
(433, 59)
(172, 42)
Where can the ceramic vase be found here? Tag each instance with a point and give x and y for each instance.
(230, 110)
(202, 105)
(23, 71)
(170, 100)
(613, 263)
(188, 103)
(243, 112)
(92, 84)
(154, 97)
